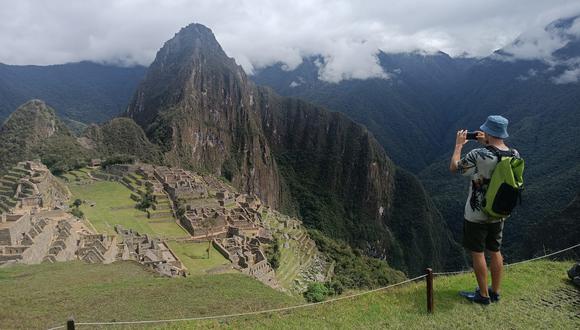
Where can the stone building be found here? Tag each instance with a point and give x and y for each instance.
(153, 253)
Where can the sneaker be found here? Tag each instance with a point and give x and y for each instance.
(494, 297)
(475, 297)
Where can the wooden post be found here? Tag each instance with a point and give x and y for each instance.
(70, 324)
(429, 280)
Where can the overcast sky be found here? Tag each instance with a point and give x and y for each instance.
(258, 33)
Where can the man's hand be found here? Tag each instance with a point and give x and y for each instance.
(461, 138)
(481, 138)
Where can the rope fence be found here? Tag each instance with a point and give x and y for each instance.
(428, 276)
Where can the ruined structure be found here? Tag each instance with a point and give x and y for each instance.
(150, 252)
(30, 187)
(247, 256)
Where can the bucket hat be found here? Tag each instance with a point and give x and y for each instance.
(496, 125)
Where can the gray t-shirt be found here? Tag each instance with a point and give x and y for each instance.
(478, 164)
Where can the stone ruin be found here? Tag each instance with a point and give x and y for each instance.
(247, 256)
(151, 252)
(29, 187)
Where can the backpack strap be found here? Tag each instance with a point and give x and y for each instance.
(500, 153)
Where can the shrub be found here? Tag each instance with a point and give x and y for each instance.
(316, 292)
(77, 213)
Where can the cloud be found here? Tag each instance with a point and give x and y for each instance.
(569, 76)
(347, 34)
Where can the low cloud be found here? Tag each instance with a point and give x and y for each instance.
(347, 34)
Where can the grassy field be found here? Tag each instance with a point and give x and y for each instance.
(113, 205)
(194, 257)
(535, 296)
(45, 295)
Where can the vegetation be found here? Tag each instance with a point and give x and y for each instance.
(316, 292)
(535, 295)
(121, 138)
(273, 253)
(147, 200)
(113, 205)
(352, 268)
(46, 295)
(34, 132)
(194, 256)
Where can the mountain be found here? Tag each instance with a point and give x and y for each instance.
(34, 131)
(416, 111)
(204, 112)
(120, 136)
(84, 92)
(401, 111)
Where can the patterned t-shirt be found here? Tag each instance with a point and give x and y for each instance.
(478, 164)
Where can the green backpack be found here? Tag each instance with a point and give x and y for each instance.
(505, 186)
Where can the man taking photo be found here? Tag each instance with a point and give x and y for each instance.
(480, 231)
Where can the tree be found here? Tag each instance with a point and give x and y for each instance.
(77, 203)
(208, 224)
(316, 292)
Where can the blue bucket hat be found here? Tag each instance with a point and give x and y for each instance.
(496, 126)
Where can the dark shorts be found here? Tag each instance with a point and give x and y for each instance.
(478, 237)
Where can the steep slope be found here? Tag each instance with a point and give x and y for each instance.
(120, 136)
(34, 131)
(200, 107)
(402, 111)
(564, 229)
(86, 92)
(197, 104)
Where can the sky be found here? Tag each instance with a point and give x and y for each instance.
(348, 34)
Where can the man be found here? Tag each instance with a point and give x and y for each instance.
(480, 231)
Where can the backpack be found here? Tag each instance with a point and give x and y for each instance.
(506, 184)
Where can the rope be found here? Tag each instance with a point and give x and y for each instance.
(281, 309)
(512, 264)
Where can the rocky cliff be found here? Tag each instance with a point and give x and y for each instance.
(199, 106)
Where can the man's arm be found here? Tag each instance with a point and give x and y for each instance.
(460, 140)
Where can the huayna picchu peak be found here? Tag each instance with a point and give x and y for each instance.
(206, 115)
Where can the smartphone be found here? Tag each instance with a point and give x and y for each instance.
(472, 135)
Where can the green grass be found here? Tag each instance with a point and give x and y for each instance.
(48, 294)
(45, 295)
(114, 206)
(194, 256)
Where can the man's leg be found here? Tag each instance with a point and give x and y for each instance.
(480, 268)
(496, 266)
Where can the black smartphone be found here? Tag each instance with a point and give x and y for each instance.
(472, 135)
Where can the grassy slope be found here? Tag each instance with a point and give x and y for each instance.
(114, 206)
(40, 296)
(404, 307)
(49, 293)
(194, 257)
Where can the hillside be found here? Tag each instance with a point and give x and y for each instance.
(85, 92)
(35, 131)
(403, 112)
(536, 295)
(416, 112)
(201, 108)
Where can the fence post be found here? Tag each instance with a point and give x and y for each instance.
(429, 281)
(70, 324)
